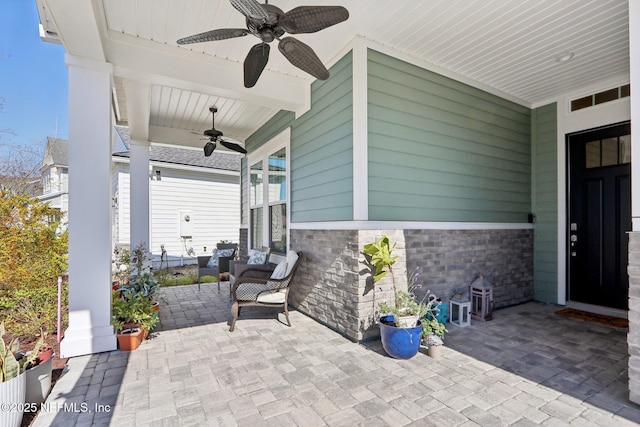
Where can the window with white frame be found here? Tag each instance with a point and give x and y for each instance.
(268, 200)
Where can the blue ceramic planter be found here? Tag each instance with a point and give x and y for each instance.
(400, 343)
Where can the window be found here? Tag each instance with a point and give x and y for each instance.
(268, 203)
(601, 97)
(46, 181)
(608, 152)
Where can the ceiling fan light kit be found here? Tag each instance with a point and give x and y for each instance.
(268, 23)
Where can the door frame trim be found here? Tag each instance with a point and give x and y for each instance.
(569, 122)
(567, 220)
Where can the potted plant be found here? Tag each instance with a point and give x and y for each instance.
(141, 282)
(133, 318)
(433, 334)
(12, 382)
(38, 366)
(400, 339)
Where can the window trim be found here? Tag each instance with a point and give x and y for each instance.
(278, 142)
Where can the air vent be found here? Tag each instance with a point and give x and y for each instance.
(600, 97)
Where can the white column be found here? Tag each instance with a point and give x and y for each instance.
(634, 63)
(139, 195)
(90, 329)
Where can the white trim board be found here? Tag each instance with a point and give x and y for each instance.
(408, 225)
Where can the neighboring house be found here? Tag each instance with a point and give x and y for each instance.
(55, 174)
(184, 184)
(195, 200)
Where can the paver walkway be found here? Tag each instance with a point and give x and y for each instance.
(528, 366)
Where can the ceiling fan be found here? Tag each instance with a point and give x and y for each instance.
(268, 23)
(216, 136)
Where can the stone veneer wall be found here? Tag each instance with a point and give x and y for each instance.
(244, 240)
(333, 285)
(633, 337)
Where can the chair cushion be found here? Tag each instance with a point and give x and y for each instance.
(217, 253)
(275, 297)
(280, 271)
(292, 257)
(257, 257)
(213, 261)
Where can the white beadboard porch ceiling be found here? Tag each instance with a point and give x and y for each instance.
(509, 46)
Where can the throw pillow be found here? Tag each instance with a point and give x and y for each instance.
(292, 257)
(280, 271)
(257, 257)
(213, 261)
(217, 253)
(225, 252)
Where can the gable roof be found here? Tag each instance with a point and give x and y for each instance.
(56, 152)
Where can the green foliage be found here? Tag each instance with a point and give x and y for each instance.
(379, 255)
(9, 366)
(31, 310)
(137, 311)
(31, 360)
(165, 278)
(433, 327)
(33, 253)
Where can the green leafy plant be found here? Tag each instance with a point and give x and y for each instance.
(9, 366)
(30, 360)
(141, 282)
(379, 255)
(33, 253)
(134, 311)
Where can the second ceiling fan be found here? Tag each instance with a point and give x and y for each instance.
(268, 23)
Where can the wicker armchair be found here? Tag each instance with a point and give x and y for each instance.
(238, 267)
(223, 263)
(264, 291)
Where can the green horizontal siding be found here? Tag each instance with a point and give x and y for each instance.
(269, 130)
(440, 150)
(545, 202)
(322, 151)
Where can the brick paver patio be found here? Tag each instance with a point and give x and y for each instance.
(528, 366)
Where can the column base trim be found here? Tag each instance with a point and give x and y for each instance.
(78, 342)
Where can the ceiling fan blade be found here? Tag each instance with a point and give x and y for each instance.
(233, 146)
(214, 35)
(254, 63)
(303, 57)
(208, 148)
(309, 19)
(251, 9)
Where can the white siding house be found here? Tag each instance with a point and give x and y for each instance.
(55, 174)
(183, 183)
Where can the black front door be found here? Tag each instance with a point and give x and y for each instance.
(599, 215)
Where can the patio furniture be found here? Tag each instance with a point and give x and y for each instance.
(205, 268)
(258, 260)
(272, 291)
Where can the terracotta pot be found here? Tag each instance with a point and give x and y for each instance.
(129, 339)
(45, 355)
(156, 306)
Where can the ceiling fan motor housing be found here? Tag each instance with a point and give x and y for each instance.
(212, 133)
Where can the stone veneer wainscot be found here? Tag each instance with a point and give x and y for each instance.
(332, 287)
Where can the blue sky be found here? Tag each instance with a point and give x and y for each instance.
(33, 78)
